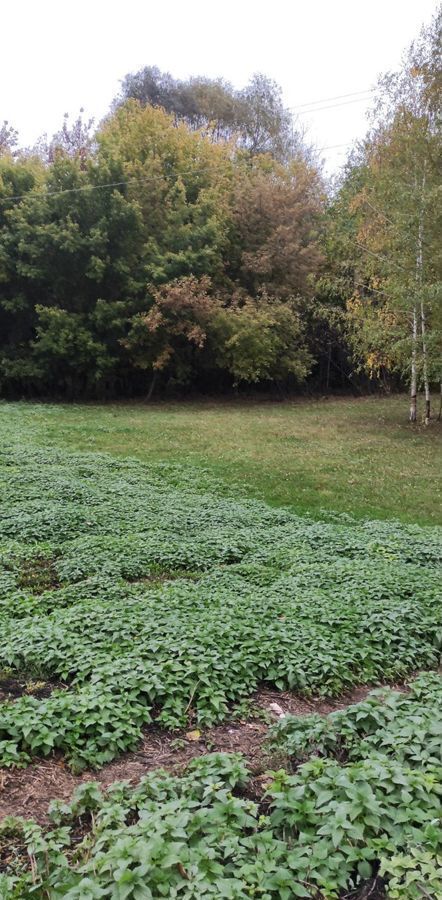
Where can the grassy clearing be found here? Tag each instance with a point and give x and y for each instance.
(355, 456)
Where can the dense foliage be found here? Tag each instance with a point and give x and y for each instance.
(406, 726)
(191, 240)
(156, 252)
(86, 544)
(320, 833)
(384, 227)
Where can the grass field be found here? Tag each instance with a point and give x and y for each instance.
(142, 593)
(356, 456)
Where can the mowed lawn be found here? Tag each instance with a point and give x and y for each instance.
(358, 456)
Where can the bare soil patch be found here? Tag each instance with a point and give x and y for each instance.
(14, 685)
(38, 574)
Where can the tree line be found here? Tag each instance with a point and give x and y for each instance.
(191, 241)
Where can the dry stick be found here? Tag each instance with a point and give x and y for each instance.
(191, 697)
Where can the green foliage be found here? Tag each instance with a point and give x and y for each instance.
(407, 726)
(387, 221)
(413, 875)
(339, 820)
(261, 341)
(317, 607)
(119, 255)
(193, 183)
(94, 555)
(324, 831)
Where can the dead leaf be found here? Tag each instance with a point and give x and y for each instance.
(193, 735)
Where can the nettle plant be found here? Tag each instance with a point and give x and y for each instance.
(405, 726)
(122, 582)
(326, 830)
(142, 592)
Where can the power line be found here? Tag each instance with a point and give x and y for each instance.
(335, 146)
(377, 255)
(306, 112)
(330, 99)
(98, 187)
(111, 184)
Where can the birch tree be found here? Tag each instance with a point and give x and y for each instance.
(398, 212)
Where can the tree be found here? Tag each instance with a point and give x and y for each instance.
(171, 335)
(276, 216)
(189, 328)
(265, 126)
(254, 117)
(8, 138)
(180, 183)
(66, 245)
(396, 223)
(261, 340)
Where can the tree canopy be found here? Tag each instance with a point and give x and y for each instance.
(191, 239)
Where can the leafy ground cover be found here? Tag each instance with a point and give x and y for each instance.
(404, 726)
(142, 593)
(368, 827)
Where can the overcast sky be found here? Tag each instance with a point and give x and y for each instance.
(57, 56)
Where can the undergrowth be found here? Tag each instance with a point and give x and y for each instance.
(149, 596)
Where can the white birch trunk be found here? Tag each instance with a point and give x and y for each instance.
(425, 366)
(413, 382)
(419, 278)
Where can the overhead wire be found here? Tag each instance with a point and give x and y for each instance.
(314, 103)
(357, 98)
(110, 184)
(378, 255)
(304, 112)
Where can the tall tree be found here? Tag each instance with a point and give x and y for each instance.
(66, 245)
(254, 117)
(277, 213)
(394, 317)
(180, 183)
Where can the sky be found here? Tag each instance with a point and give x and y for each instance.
(57, 56)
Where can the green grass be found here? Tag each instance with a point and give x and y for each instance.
(358, 456)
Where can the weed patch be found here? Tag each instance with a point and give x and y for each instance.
(158, 601)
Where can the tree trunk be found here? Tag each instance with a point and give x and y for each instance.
(413, 382)
(440, 403)
(419, 278)
(327, 381)
(152, 386)
(425, 367)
